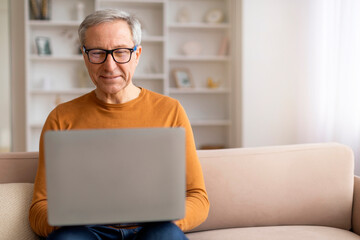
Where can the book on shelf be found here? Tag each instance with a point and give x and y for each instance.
(45, 9)
(35, 10)
(40, 9)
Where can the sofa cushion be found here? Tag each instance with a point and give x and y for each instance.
(15, 200)
(309, 184)
(276, 233)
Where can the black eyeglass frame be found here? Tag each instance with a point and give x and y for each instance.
(109, 52)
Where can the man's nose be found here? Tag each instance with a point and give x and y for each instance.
(110, 63)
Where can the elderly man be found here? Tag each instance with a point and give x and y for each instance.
(111, 49)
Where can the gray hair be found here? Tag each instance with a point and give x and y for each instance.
(110, 15)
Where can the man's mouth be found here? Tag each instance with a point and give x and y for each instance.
(109, 78)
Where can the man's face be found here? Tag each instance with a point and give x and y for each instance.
(110, 77)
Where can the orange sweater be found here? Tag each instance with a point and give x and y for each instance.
(148, 110)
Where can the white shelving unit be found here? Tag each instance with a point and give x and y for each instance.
(62, 75)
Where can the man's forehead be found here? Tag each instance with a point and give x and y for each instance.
(117, 24)
(118, 31)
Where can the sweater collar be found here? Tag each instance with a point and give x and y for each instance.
(121, 105)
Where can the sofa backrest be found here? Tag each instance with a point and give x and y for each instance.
(18, 167)
(309, 184)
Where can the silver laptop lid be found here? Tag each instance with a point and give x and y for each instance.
(115, 175)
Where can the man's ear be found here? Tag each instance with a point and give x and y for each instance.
(138, 53)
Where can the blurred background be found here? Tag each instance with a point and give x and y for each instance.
(264, 72)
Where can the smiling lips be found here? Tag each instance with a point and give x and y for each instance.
(111, 78)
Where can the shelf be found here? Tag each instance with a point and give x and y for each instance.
(133, 1)
(50, 23)
(199, 25)
(139, 4)
(74, 91)
(198, 90)
(200, 58)
(191, 1)
(204, 123)
(56, 58)
(36, 126)
(148, 38)
(174, 58)
(149, 76)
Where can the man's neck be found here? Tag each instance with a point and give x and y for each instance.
(129, 93)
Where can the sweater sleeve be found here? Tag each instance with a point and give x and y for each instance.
(197, 203)
(38, 209)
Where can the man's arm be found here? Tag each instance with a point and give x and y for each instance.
(38, 209)
(197, 203)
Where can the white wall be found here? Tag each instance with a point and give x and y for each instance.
(4, 77)
(276, 38)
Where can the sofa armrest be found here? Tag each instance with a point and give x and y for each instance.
(356, 206)
(18, 167)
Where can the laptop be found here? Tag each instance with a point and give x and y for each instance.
(115, 176)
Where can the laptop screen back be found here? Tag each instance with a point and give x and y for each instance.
(114, 176)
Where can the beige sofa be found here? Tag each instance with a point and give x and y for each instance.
(279, 193)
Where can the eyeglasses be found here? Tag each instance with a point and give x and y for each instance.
(120, 55)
